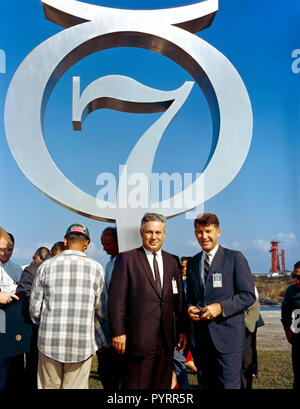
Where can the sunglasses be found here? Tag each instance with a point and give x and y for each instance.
(296, 276)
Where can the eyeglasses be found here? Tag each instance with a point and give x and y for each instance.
(6, 250)
(296, 276)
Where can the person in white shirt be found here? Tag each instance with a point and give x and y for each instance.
(10, 274)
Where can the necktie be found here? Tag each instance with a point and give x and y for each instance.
(206, 265)
(156, 272)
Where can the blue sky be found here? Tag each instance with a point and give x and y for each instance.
(261, 204)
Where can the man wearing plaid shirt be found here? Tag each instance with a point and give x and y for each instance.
(68, 302)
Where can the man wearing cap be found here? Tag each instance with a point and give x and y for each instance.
(68, 302)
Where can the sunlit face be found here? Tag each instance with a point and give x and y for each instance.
(183, 267)
(207, 236)
(37, 259)
(297, 276)
(109, 245)
(153, 234)
(6, 250)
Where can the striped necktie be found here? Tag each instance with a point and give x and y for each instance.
(156, 272)
(206, 265)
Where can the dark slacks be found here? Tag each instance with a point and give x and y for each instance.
(110, 368)
(15, 372)
(216, 370)
(249, 365)
(296, 363)
(153, 371)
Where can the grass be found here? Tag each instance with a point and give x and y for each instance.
(94, 381)
(274, 372)
(272, 288)
(274, 367)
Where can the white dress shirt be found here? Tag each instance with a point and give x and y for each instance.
(10, 274)
(211, 255)
(159, 259)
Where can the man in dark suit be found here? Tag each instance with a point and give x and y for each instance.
(145, 307)
(29, 376)
(109, 361)
(220, 288)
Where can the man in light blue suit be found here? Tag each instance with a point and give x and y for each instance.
(220, 288)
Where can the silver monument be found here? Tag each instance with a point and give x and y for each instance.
(89, 29)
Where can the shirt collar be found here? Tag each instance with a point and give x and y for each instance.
(150, 253)
(213, 251)
(79, 253)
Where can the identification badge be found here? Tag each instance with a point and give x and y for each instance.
(217, 280)
(174, 286)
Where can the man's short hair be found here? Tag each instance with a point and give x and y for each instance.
(153, 217)
(58, 246)
(76, 237)
(6, 236)
(12, 238)
(113, 231)
(42, 252)
(205, 219)
(297, 265)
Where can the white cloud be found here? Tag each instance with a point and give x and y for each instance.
(248, 245)
(193, 243)
(287, 239)
(23, 254)
(94, 251)
(261, 244)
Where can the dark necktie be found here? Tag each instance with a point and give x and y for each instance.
(156, 272)
(206, 266)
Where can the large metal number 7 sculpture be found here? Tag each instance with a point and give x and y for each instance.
(93, 28)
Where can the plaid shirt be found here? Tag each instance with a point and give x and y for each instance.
(68, 301)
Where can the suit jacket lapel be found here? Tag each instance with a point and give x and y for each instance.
(167, 273)
(144, 261)
(197, 274)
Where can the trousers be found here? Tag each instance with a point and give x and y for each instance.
(53, 374)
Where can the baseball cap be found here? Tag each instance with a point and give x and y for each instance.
(78, 228)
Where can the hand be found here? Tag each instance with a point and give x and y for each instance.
(119, 343)
(288, 334)
(211, 311)
(193, 313)
(6, 298)
(182, 342)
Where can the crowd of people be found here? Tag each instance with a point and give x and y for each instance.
(149, 316)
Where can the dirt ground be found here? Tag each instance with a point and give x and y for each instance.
(271, 336)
